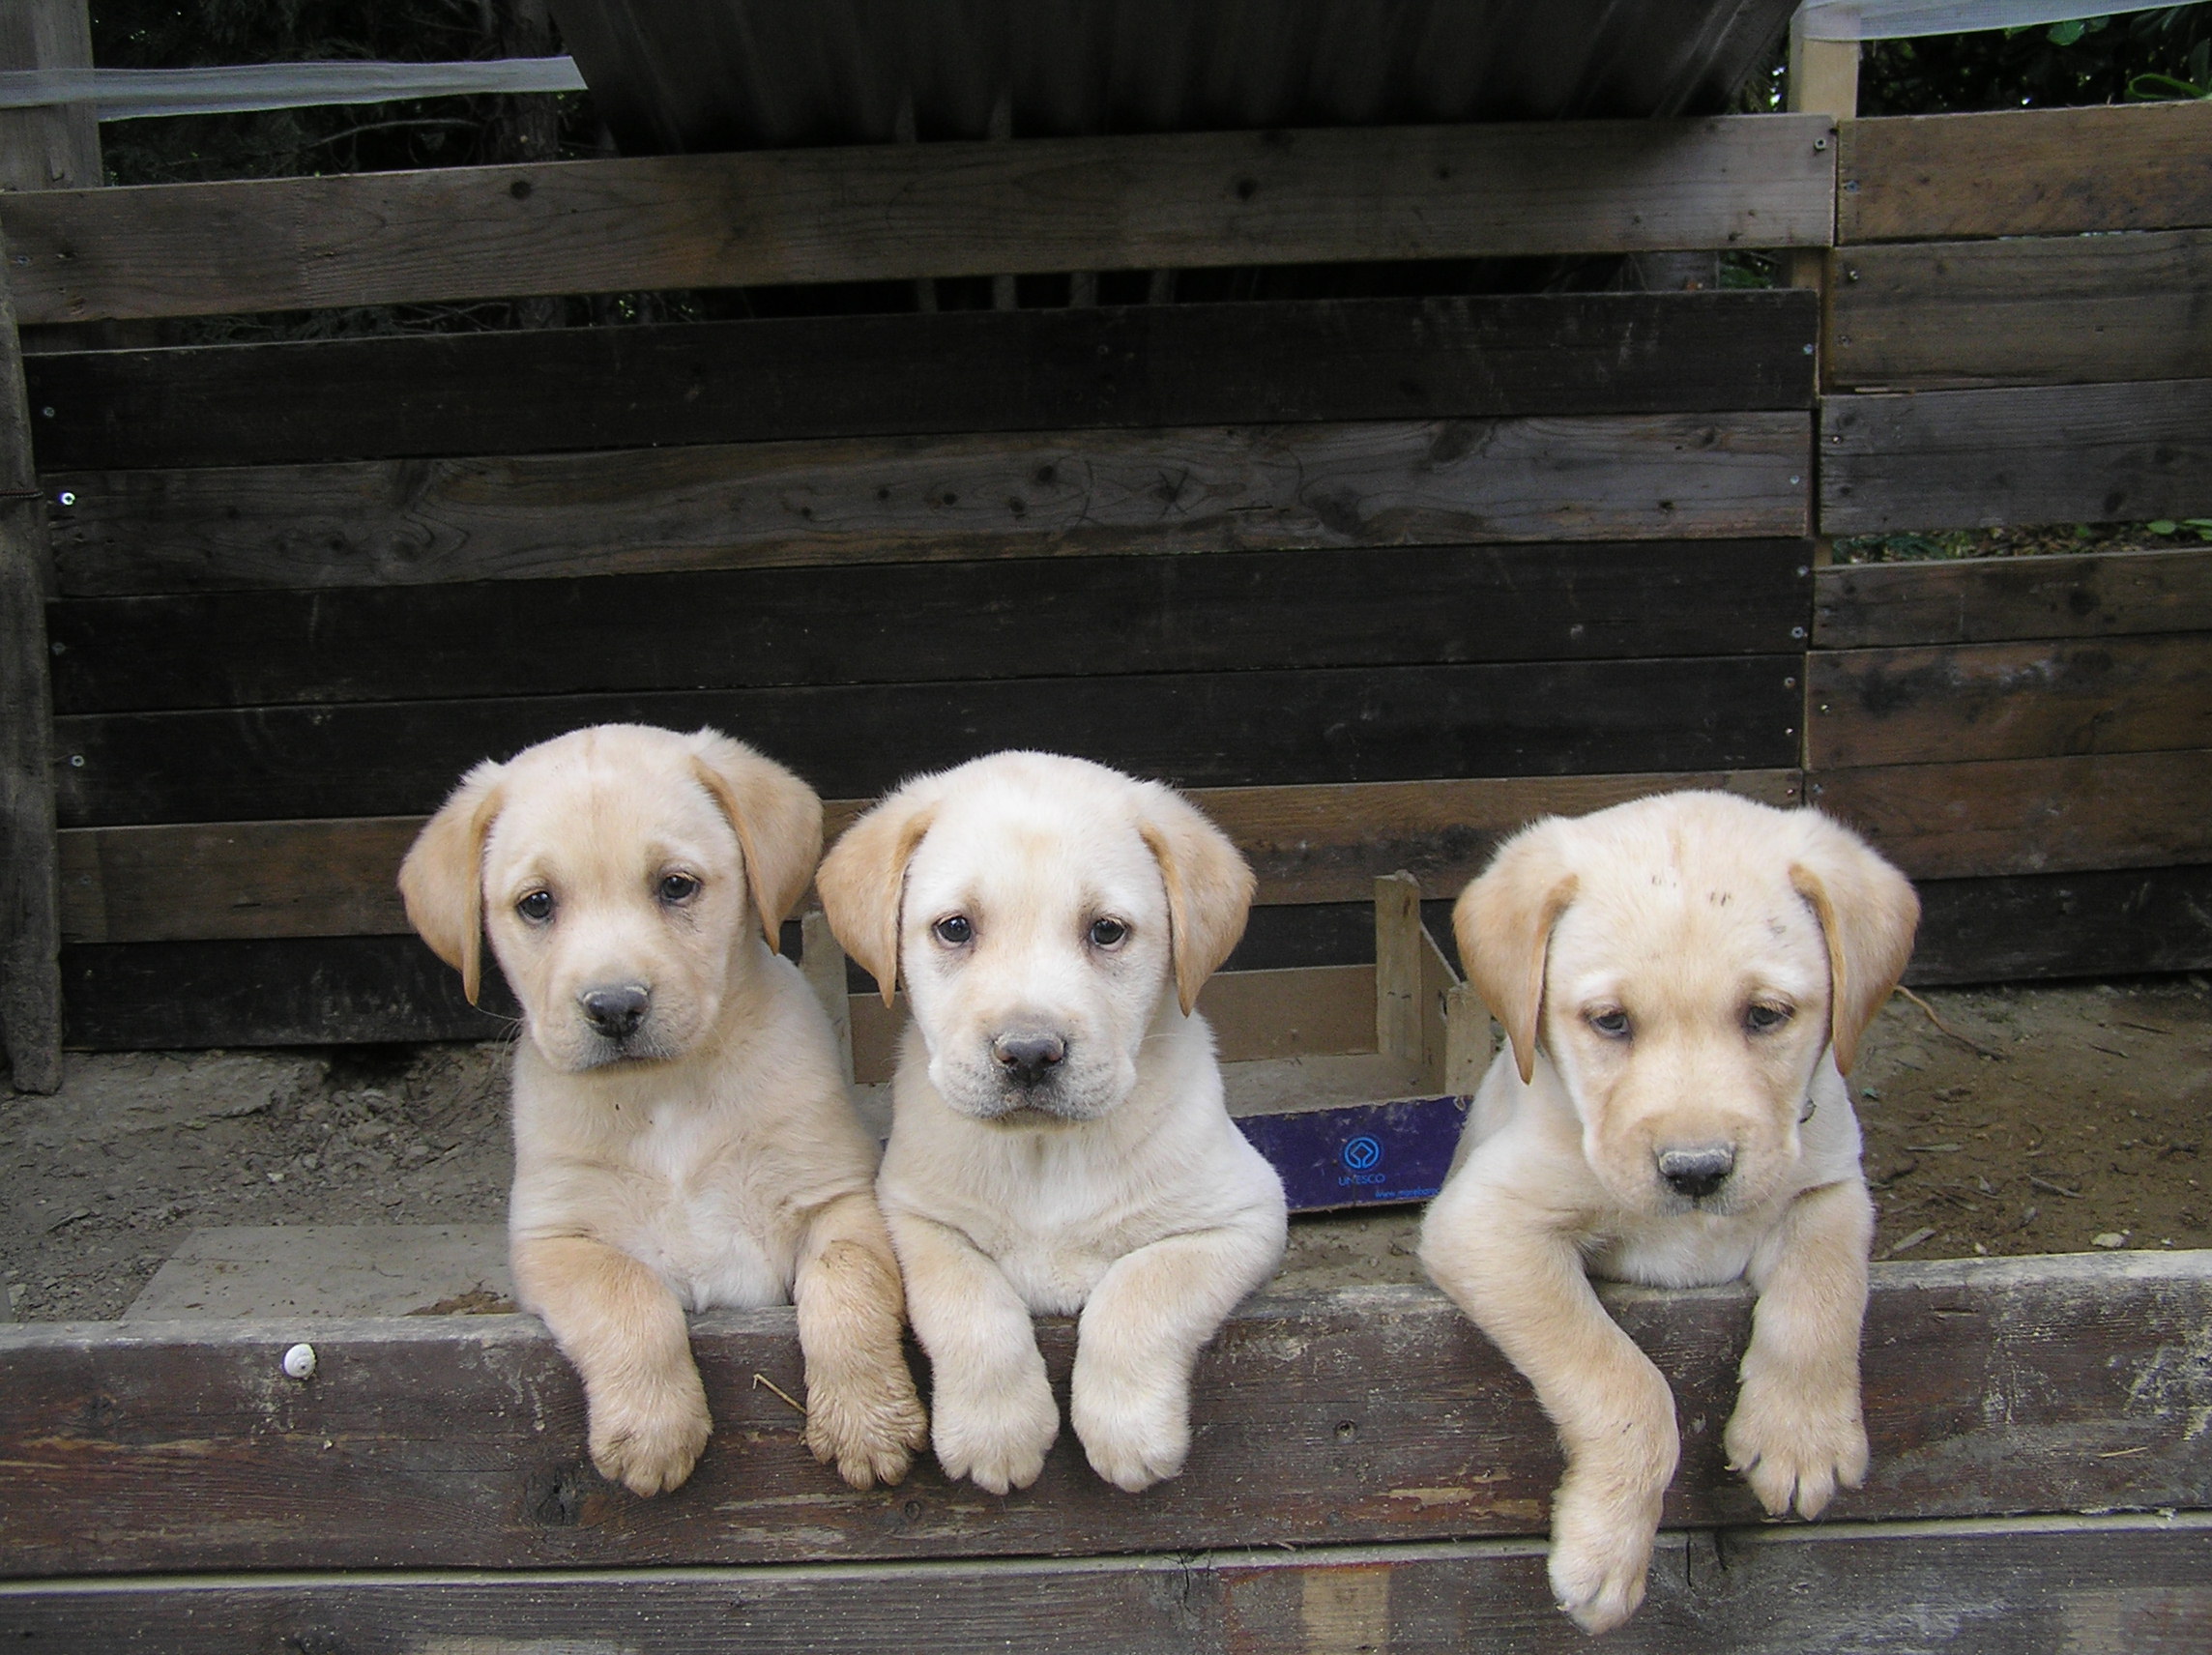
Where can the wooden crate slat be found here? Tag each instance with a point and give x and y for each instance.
(1961, 701)
(2019, 816)
(2025, 172)
(1983, 600)
(2038, 311)
(894, 500)
(893, 623)
(1992, 1386)
(1141, 365)
(2093, 924)
(867, 212)
(1211, 729)
(1938, 459)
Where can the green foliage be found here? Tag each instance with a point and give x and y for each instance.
(2096, 60)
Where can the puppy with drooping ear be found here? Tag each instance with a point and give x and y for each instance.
(684, 1137)
(1059, 1138)
(1683, 982)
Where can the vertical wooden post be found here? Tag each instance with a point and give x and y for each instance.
(1398, 968)
(822, 959)
(1470, 1039)
(56, 147)
(1823, 79)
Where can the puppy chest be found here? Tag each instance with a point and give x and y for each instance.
(701, 1246)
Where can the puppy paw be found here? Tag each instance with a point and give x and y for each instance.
(997, 1433)
(1794, 1449)
(1134, 1435)
(869, 1431)
(647, 1435)
(1601, 1552)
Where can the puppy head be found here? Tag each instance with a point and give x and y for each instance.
(1686, 961)
(623, 874)
(1041, 908)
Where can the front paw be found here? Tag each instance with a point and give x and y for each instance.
(870, 1430)
(995, 1431)
(1601, 1551)
(1793, 1448)
(1135, 1435)
(648, 1434)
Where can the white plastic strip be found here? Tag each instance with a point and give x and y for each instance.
(131, 93)
(1896, 19)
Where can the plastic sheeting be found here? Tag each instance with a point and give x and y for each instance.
(1897, 20)
(128, 94)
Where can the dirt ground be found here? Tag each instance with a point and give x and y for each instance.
(2040, 1119)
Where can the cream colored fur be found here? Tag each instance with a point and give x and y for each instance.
(1633, 956)
(711, 1157)
(1115, 1184)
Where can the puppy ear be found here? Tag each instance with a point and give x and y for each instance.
(1504, 923)
(777, 817)
(441, 878)
(1209, 887)
(1867, 912)
(863, 880)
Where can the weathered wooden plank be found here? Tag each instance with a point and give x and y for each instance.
(866, 213)
(1983, 600)
(1993, 1587)
(2025, 172)
(1939, 459)
(1198, 729)
(54, 146)
(1958, 702)
(1992, 1386)
(953, 372)
(2021, 816)
(895, 499)
(2063, 925)
(2037, 311)
(917, 622)
(334, 877)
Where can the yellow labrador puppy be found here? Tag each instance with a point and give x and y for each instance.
(682, 1134)
(1059, 1140)
(1683, 981)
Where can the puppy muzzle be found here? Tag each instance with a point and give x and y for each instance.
(1698, 1174)
(619, 1026)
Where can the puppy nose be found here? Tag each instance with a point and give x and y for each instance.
(1697, 1172)
(1027, 1058)
(616, 1010)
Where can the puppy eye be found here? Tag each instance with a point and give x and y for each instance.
(678, 887)
(537, 907)
(954, 930)
(1766, 1019)
(1613, 1025)
(1107, 933)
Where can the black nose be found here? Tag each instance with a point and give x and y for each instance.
(1697, 1172)
(617, 1012)
(1029, 1058)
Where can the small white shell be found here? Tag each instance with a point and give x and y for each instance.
(300, 1362)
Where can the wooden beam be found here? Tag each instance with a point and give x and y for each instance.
(2026, 172)
(823, 959)
(1373, 1416)
(1985, 601)
(52, 146)
(2069, 454)
(893, 211)
(2091, 924)
(1397, 940)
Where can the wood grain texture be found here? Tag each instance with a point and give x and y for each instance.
(2025, 172)
(1961, 701)
(2037, 311)
(1992, 1386)
(894, 500)
(1997, 1586)
(921, 623)
(1984, 600)
(1139, 366)
(336, 878)
(2094, 924)
(2019, 816)
(2048, 454)
(54, 146)
(867, 212)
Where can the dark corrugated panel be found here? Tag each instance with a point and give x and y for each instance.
(672, 75)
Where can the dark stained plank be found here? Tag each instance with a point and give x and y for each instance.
(1213, 729)
(2095, 925)
(1991, 1386)
(916, 623)
(2022, 815)
(1939, 459)
(2025, 172)
(1958, 702)
(979, 370)
(336, 877)
(2037, 311)
(1982, 600)
(1993, 1587)
(865, 213)
(897, 500)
